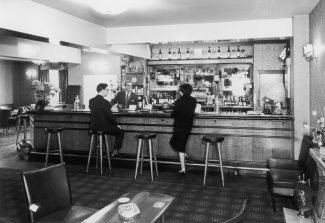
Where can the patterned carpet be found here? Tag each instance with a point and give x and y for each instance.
(193, 203)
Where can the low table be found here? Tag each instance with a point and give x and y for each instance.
(144, 200)
(291, 216)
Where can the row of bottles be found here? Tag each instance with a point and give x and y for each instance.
(179, 54)
(234, 100)
(230, 53)
(137, 89)
(229, 100)
(160, 97)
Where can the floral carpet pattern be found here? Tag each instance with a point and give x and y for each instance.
(193, 202)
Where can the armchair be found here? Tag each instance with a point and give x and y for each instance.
(293, 164)
(48, 197)
(284, 172)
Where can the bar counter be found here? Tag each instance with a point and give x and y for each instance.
(249, 139)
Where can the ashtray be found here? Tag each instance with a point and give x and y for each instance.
(123, 200)
(128, 212)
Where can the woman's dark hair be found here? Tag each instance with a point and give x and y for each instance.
(186, 89)
(101, 86)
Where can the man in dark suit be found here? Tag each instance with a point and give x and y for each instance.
(126, 98)
(102, 118)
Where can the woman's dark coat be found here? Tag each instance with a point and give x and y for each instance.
(183, 114)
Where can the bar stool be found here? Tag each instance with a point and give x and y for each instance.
(213, 140)
(50, 131)
(147, 137)
(99, 137)
(23, 119)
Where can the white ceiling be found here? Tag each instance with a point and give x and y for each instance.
(168, 12)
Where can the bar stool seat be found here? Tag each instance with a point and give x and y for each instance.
(24, 117)
(49, 132)
(215, 140)
(147, 137)
(95, 132)
(54, 130)
(99, 136)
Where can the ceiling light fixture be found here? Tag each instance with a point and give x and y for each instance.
(109, 7)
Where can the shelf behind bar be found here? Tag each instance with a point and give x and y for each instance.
(241, 60)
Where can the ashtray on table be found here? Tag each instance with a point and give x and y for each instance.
(128, 212)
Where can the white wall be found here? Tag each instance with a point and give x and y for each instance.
(138, 50)
(6, 82)
(30, 17)
(93, 64)
(35, 50)
(208, 31)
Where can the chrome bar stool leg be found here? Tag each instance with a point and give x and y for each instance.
(206, 162)
(60, 147)
(90, 149)
(154, 156)
(150, 158)
(221, 166)
(101, 153)
(17, 130)
(138, 157)
(47, 148)
(142, 151)
(107, 150)
(25, 128)
(97, 148)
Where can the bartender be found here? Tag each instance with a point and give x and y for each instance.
(126, 97)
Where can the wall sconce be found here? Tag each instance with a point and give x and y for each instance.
(31, 73)
(308, 51)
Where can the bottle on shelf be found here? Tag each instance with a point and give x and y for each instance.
(216, 104)
(244, 101)
(157, 97)
(178, 75)
(169, 54)
(218, 52)
(76, 103)
(228, 52)
(179, 55)
(238, 51)
(187, 54)
(209, 53)
(160, 54)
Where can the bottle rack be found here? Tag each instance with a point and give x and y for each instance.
(203, 75)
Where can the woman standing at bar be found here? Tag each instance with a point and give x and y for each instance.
(183, 114)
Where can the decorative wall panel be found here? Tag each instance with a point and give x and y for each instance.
(317, 65)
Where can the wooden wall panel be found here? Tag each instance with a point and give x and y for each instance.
(251, 140)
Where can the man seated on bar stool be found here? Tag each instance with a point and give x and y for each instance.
(126, 97)
(102, 118)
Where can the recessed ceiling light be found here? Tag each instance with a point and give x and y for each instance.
(109, 7)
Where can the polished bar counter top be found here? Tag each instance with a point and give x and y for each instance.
(202, 115)
(249, 139)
